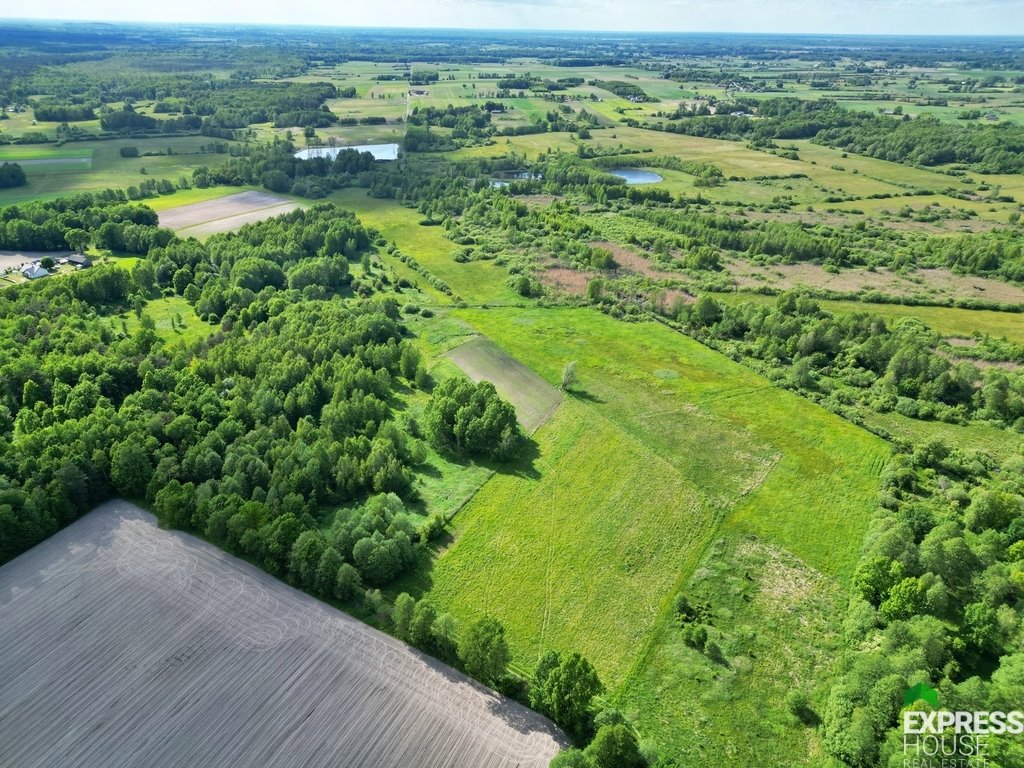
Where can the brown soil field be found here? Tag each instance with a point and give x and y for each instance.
(231, 223)
(956, 341)
(225, 213)
(122, 644)
(983, 365)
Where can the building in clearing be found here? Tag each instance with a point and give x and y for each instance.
(79, 260)
(34, 271)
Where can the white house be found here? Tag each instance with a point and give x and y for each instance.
(34, 270)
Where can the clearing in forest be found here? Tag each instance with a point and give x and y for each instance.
(224, 214)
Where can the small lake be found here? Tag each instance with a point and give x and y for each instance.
(379, 151)
(635, 175)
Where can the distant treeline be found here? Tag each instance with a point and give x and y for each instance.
(276, 168)
(921, 141)
(199, 105)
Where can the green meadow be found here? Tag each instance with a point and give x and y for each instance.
(175, 320)
(477, 282)
(107, 168)
(667, 467)
(665, 448)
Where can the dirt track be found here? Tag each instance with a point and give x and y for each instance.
(125, 645)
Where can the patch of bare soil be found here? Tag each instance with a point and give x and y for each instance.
(569, 280)
(633, 262)
(933, 283)
(958, 342)
(221, 208)
(983, 365)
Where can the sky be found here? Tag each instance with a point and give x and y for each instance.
(1000, 17)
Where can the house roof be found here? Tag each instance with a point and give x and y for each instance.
(32, 271)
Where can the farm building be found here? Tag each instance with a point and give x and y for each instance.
(77, 260)
(34, 271)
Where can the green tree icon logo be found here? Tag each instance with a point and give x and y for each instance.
(921, 692)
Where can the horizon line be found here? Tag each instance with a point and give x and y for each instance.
(553, 30)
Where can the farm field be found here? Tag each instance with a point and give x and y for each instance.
(668, 446)
(754, 579)
(284, 677)
(191, 195)
(106, 168)
(224, 214)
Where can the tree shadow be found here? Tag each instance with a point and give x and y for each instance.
(428, 469)
(587, 397)
(523, 463)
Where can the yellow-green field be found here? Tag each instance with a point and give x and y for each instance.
(478, 282)
(665, 447)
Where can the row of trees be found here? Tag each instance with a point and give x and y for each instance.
(860, 358)
(565, 688)
(196, 103)
(922, 141)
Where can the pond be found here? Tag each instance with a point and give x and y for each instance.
(379, 151)
(635, 175)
